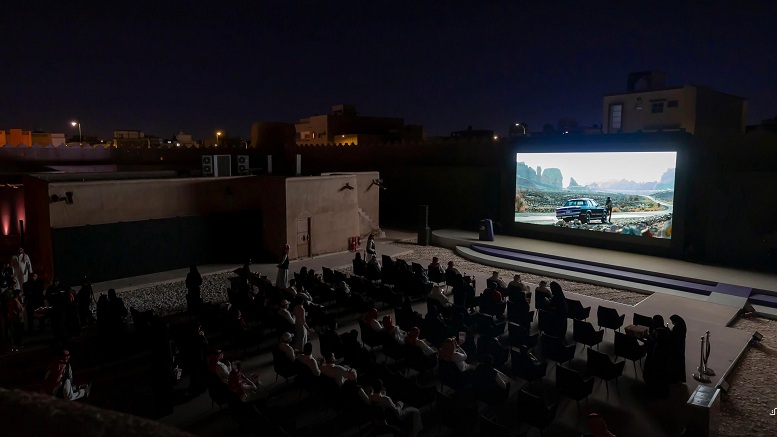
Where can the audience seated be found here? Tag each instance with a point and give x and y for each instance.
(306, 358)
(218, 366)
(287, 319)
(436, 266)
(464, 293)
(408, 417)
(285, 346)
(394, 333)
(452, 270)
(500, 284)
(438, 295)
(248, 389)
(371, 320)
(488, 382)
(338, 373)
(451, 351)
(542, 296)
(492, 296)
(412, 340)
(558, 302)
(518, 284)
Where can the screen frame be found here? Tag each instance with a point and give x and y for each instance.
(677, 142)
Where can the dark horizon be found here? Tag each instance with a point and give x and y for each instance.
(165, 67)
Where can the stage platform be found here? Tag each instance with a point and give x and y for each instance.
(717, 296)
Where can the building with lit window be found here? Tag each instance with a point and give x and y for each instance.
(344, 126)
(650, 106)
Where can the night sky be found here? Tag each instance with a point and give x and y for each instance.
(200, 66)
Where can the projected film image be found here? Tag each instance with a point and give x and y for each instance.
(629, 193)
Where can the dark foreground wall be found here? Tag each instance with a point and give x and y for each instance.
(120, 250)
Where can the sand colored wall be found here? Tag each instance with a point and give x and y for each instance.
(332, 209)
(103, 202)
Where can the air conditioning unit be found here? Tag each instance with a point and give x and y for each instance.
(207, 165)
(242, 165)
(222, 165)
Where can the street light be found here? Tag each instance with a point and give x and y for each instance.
(74, 124)
(522, 127)
(218, 134)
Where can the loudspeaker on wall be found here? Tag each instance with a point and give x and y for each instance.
(207, 165)
(242, 165)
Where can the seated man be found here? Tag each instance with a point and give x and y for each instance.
(436, 266)
(451, 269)
(306, 358)
(371, 319)
(500, 284)
(248, 389)
(59, 380)
(452, 352)
(409, 417)
(285, 345)
(542, 295)
(218, 366)
(339, 373)
(413, 340)
(393, 331)
(487, 379)
(493, 295)
(438, 295)
(518, 284)
(464, 294)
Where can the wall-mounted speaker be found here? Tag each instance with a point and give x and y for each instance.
(207, 165)
(242, 165)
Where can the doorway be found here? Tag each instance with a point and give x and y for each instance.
(303, 238)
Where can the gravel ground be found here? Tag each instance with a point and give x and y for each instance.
(753, 395)
(744, 411)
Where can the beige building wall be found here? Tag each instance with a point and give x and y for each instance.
(103, 202)
(334, 211)
(697, 110)
(638, 115)
(313, 130)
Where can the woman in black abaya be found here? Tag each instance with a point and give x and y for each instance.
(677, 338)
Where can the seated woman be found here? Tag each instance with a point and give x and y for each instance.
(248, 389)
(438, 295)
(413, 340)
(393, 331)
(452, 352)
(371, 319)
(558, 302)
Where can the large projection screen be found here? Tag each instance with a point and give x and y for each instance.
(570, 191)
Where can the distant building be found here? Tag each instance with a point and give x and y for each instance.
(344, 126)
(474, 133)
(183, 140)
(19, 137)
(767, 127)
(130, 138)
(650, 106)
(272, 137)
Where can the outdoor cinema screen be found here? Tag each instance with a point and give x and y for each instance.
(571, 190)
